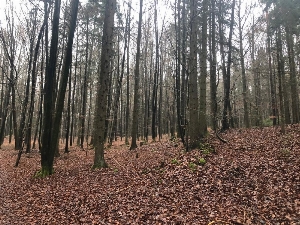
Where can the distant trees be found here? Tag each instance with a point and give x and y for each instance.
(168, 72)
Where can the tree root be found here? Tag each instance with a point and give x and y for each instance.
(220, 138)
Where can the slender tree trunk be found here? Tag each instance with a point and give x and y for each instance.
(213, 69)
(155, 80)
(33, 90)
(73, 95)
(21, 130)
(103, 84)
(119, 87)
(227, 74)
(293, 78)
(68, 122)
(85, 85)
(127, 82)
(4, 113)
(179, 95)
(193, 88)
(47, 151)
(64, 76)
(286, 104)
(183, 61)
(137, 81)
(160, 111)
(146, 85)
(271, 76)
(244, 81)
(280, 80)
(203, 74)
(39, 123)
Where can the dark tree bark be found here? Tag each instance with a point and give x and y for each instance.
(137, 81)
(155, 79)
(203, 74)
(193, 87)
(73, 95)
(85, 84)
(67, 61)
(47, 150)
(226, 72)
(293, 78)
(146, 84)
(280, 80)
(178, 87)
(27, 135)
(281, 73)
(21, 130)
(271, 76)
(127, 83)
(244, 81)
(33, 89)
(119, 87)
(213, 69)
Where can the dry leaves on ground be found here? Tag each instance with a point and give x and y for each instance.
(252, 179)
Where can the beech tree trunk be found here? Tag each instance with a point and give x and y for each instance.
(203, 72)
(193, 87)
(47, 150)
(213, 69)
(103, 84)
(244, 81)
(136, 82)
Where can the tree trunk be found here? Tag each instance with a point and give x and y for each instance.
(281, 71)
(226, 73)
(118, 88)
(293, 78)
(47, 150)
(271, 76)
(213, 69)
(203, 74)
(103, 84)
(280, 80)
(85, 85)
(178, 88)
(193, 87)
(155, 79)
(137, 81)
(33, 90)
(127, 81)
(244, 81)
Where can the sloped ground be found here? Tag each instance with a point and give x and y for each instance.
(252, 179)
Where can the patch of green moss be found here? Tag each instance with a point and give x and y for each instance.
(174, 161)
(192, 166)
(202, 161)
(206, 148)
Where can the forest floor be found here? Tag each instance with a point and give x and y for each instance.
(254, 178)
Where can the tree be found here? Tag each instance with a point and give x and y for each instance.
(213, 67)
(226, 68)
(242, 58)
(156, 74)
(136, 82)
(203, 68)
(103, 84)
(193, 87)
(47, 150)
(65, 75)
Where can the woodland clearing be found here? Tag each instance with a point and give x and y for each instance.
(252, 179)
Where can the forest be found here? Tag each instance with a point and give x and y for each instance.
(150, 112)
